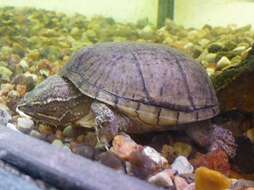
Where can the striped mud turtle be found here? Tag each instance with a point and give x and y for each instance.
(131, 87)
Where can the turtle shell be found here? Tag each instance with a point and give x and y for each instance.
(153, 83)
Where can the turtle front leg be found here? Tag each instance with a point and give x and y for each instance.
(213, 137)
(108, 122)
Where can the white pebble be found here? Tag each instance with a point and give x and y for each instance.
(182, 165)
(25, 124)
(154, 155)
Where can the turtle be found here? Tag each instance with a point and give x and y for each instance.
(131, 87)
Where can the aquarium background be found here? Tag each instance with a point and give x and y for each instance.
(191, 13)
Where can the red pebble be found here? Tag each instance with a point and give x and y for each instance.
(216, 160)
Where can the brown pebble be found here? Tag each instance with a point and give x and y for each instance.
(124, 146)
(21, 89)
(44, 129)
(59, 134)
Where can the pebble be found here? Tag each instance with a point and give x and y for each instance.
(216, 160)
(182, 149)
(58, 143)
(163, 178)
(250, 134)
(154, 156)
(124, 146)
(23, 63)
(45, 129)
(239, 49)
(223, 62)
(182, 165)
(190, 187)
(167, 152)
(206, 179)
(36, 134)
(68, 131)
(210, 71)
(111, 160)
(25, 125)
(83, 150)
(5, 117)
(180, 183)
(5, 73)
(5, 88)
(210, 57)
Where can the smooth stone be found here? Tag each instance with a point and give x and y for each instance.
(154, 155)
(25, 125)
(5, 117)
(36, 134)
(182, 165)
(68, 131)
(211, 57)
(239, 49)
(190, 187)
(223, 62)
(111, 160)
(210, 180)
(163, 178)
(5, 73)
(182, 149)
(23, 63)
(180, 183)
(58, 143)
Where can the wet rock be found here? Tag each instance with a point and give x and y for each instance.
(111, 160)
(163, 178)
(182, 165)
(210, 180)
(83, 150)
(25, 125)
(180, 183)
(123, 146)
(216, 160)
(5, 117)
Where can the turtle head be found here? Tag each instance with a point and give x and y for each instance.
(55, 101)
